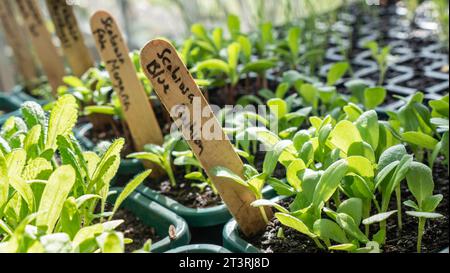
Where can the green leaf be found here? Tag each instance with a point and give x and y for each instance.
(380, 217)
(33, 114)
(111, 242)
(213, 64)
(394, 153)
(234, 25)
(293, 40)
(99, 109)
(336, 72)
(129, 188)
(86, 234)
(258, 66)
(246, 47)
(420, 139)
(186, 161)
(346, 222)
(352, 207)
(361, 166)
(430, 203)
(353, 111)
(73, 81)
(329, 182)
(326, 93)
(280, 187)
(343, 135)
(198, 176)
(357, 87)
(227, 173)
(24, 190)
(146, 156)
(327, 229)
(271, 157)
(16, 162)
(368, 127)
(292, 177)
(420, 181)
(268, 203)
(70, 220)
(109, 163)
(62, 119)
(374, 96)
(55, 193)
(309, 93)
(295, 223)
(411, 204)
(344, 247)
(428, 215)
(362, 149)
(233, 55)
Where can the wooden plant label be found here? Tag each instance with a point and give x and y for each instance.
(52, 63)
(72, 41)
(138, 111)
(16, 39)
(176, 88)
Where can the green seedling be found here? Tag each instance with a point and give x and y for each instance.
(381, 56)
(421, 185)
(160, 155)
(49, 205)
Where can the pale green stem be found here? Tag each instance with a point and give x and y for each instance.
(420, 233)
(399, 206)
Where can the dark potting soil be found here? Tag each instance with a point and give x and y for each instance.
(185, 192)
(435, 238)
(132, 228)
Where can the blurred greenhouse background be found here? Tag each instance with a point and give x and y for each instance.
(142, 20)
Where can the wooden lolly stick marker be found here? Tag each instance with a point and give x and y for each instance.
(68, 32)
(175, 87)
(17, 41)
(52, 63)
(136, 105)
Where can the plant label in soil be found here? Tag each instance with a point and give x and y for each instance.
(72, 41)
(177, 89)
(136, 105)
(52, 63)
(17, 41)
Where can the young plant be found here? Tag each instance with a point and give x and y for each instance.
(160, 155)
(48, 205)
(187, 159)
(412, 124)
(252, 180)
(421, 185)
(313, 190)
(285, 121)
(439, 118)
(381, 56)
(231, 70)
(369, 97)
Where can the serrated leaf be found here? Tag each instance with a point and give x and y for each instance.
(62, 119)
(129, 188)
(35, 168)
(55, 193)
